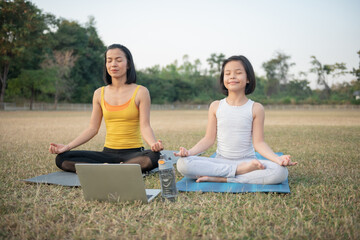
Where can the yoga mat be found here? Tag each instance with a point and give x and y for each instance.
(67, 179)
(70, 179)
(190, 185)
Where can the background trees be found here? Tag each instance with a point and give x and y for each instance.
(22, 28)
(56, 60)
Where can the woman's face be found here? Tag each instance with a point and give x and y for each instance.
(235, 77)
(116, 63)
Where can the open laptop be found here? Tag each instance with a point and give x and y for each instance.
(113, 182)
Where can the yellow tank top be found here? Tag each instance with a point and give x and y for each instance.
(122, 124)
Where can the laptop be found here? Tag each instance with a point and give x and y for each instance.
(113, 182)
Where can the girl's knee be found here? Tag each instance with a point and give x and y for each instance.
(182, 166)
(280, 174)
(283, 173)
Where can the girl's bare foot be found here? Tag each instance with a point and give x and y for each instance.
(249, 167)
(211, 179)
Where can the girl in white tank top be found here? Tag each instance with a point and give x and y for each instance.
(237, 123)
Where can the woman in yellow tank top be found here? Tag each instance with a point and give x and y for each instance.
(125, 107)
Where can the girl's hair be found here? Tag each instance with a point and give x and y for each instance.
(250, 86)
(130, 73)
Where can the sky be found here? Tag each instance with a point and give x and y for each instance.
(158, 32)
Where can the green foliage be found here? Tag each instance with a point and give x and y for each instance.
(323, 71)
(277, 70)
(31, 43)
(87, 72)
(215, 61)
(355, 71)
(31, 84)
(22, 30)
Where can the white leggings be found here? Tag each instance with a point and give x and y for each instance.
(194, 167)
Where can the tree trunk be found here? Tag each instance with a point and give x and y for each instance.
(56, 99)
(3, 79)
(32, 98)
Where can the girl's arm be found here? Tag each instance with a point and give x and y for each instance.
(144, 102)
(209, 139)
(90, 131)
(258, 138)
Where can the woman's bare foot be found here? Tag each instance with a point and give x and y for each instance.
(249, 167)
(211, 179)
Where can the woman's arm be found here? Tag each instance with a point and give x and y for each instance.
(144, 102)
(258, 138)
(210, 136)
(88, 133)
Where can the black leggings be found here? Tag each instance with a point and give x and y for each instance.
(147, 159)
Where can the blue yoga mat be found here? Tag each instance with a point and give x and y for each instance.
(190, 185)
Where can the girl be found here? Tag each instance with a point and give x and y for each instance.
(125, 107)
(238, 124)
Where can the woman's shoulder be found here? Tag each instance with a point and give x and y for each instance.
(142, 90)
(97, 92)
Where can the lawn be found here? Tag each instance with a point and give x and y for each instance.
(324, 202)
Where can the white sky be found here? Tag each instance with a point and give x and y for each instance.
(161, 31)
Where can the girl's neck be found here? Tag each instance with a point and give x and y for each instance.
(236, 99)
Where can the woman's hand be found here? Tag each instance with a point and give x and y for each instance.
(157, 147)
(285, 160)
(182, 153)
(58, 148)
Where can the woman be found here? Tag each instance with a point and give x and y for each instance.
(125, 107)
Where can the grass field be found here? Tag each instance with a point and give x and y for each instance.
(324, 203)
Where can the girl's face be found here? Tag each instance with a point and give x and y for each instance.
(235, 77)
(116, 63)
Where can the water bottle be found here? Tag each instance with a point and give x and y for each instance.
(167, 179)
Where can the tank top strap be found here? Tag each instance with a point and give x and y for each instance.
(135, 92)
(102, 103)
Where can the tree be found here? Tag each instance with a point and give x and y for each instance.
(22, 26)
(356, 72)
(215, 61)
(87, 47)
(277, 72)
(62, 62)
(31, 83)
(324, 71)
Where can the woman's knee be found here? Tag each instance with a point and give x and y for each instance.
(153, 156)
(59, 160)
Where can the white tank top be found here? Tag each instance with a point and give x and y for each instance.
(234, 130)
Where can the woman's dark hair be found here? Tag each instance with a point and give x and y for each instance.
(250, 86)
(130, 73)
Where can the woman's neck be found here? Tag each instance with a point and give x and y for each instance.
(236, 99)
(118, 82)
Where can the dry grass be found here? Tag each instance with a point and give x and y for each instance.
(324, 203)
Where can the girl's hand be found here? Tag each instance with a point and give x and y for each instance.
(58, 148)
(285, 160)
(157, 147)
(182, 153)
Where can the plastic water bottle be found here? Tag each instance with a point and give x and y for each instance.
(167, 179)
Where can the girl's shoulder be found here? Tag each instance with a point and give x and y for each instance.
(258, 108)
(214, 106)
